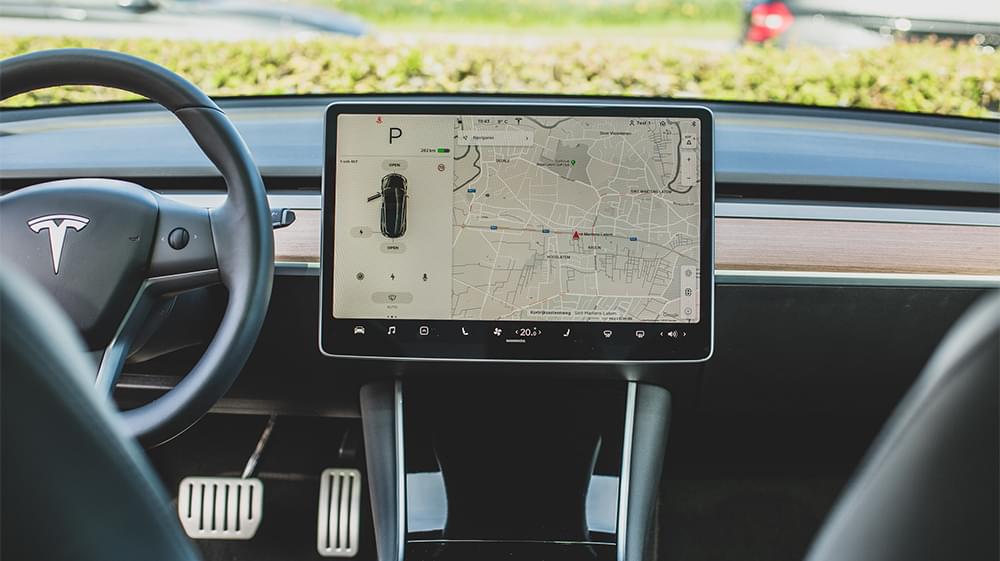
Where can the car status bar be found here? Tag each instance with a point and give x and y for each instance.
(520, 334)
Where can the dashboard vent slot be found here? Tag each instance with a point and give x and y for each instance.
(338, 525)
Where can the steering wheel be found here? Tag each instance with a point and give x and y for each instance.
(108, 251)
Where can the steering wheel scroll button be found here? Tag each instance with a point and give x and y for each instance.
(184, 240)
(178, 238)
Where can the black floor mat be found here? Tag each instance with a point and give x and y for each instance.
(766, 519)
(728, 516)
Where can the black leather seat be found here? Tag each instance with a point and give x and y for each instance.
(73, 486)
(928, 488)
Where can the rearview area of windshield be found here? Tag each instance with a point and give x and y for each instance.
(923, 57)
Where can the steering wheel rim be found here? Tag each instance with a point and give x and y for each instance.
(240, 227)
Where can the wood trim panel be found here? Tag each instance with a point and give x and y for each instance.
(788, 245)
(856, 247)
(299, 243)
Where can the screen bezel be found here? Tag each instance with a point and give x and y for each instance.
(587, 344)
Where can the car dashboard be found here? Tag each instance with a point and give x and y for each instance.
(827, 252)
(806, 200)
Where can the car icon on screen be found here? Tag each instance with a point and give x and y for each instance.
(393, 195)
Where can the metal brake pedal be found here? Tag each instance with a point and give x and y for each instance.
(220, 508)
(225, 508)
(339, 522)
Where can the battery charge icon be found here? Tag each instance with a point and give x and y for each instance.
(443, 150)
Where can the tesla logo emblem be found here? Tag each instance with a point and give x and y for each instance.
(57, 224)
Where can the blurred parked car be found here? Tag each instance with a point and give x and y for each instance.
(847, 24)
(180, 19)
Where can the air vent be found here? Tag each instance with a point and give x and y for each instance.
(339, 522)
(220, 508)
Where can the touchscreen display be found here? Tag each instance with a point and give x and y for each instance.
(519, 219)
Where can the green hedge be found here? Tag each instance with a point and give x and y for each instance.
(924, 77)
(538, 13)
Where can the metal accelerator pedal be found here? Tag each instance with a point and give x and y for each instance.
(224, 508)
(339, 521)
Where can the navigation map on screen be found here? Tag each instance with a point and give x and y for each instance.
(479, 217)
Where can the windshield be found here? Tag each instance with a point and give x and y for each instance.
(903, 55)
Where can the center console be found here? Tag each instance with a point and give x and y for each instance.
(516, 233)
(483, 471)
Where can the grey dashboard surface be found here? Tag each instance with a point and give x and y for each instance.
(753, 147)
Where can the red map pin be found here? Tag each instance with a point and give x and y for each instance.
(576, 235)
